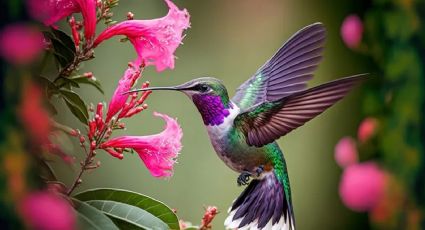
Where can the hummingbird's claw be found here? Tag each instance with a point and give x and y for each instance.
(259, 170)
(243, 178)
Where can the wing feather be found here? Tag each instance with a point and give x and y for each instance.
(268, 121)
(287, 72)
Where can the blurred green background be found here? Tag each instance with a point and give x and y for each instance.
(229, 40)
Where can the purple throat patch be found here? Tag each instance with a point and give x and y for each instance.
(211, 108)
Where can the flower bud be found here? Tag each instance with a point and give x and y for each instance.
(74, 132)
(88, 75)
(82, 139)
(75, 34)
(115, 154)
(93, 145)
(130, 16)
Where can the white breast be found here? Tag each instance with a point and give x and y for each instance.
(218, 132)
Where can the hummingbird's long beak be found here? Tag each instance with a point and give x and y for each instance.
(177, 88)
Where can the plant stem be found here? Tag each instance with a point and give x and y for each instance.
(87, 54)
(89, 157)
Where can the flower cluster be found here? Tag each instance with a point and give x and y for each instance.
(46, 204)
(155, 42)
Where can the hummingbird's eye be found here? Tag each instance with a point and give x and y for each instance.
(204, 88)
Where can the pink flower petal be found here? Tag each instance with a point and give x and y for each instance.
(352, 31)
(367, 129)
(20, 44)
(155, 40)
(346, 152)
(47, 211)
(51, 11)
(362, 186)
(88, 10)
(158, 151)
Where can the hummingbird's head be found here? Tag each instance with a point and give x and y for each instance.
(204, 87)
(208, 94)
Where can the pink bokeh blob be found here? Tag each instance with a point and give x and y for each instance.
(352, 31)
(362, 186)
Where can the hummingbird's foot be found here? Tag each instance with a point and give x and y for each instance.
(243, 178)
(259, 170)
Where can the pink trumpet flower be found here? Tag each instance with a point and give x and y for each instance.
(124, 85)
(158, 151)
(51, 11)
(155, 40)
(119, 98)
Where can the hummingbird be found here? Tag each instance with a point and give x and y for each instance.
(243, 130)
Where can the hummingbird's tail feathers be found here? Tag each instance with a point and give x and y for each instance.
(261, 206)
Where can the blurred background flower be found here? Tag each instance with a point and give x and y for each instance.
(346, 152)
(362, 186)
(20, 44)
(352, 31)
(47, 211)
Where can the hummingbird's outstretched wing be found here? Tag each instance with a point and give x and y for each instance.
(287, 72)
(268, 121)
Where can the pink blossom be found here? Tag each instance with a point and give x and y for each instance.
(362, 186)
(47, 211)
(127, 81)
(352, 31)
(367, 129)
(51, 11)
(88, 10)
(20, 44)
(346, 152)
(154, 40)
(158, 151)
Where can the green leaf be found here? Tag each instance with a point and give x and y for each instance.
(127, 216)
(50, 107)
(154, 207)
(93, 82)
(65, 39)
(192, 228)
(48, 86)
(46, 171)
(75, 104)
(63, 47)
(91, 218)
(67, 83)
